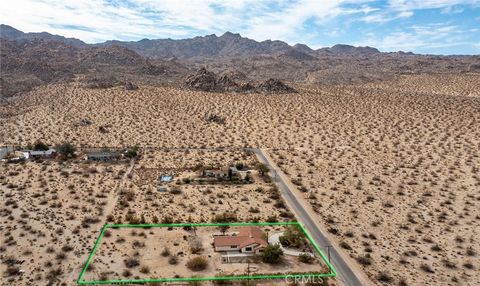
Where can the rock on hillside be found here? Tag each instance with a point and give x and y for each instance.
(205, 80)
(110, 55)
(202, 80)
(274, 86)
(100, 81)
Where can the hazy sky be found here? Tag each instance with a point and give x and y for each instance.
(422, 26)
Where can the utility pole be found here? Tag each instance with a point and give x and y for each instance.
(328, 250)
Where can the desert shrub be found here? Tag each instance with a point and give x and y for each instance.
(90, 267)
(67, 248)
(40, 146)
(345, 245)
(305, 258)
(272, 254)
(272, 218)
(126, 273)
(468, 265)
(12, 270)
(173, 260)
(449, 264)
(131, 152)
(280, 204)
(165, 252)
(293, 237)
(471, 252)
(66, 149)
(196, 245)
(224, 217)
(198, 263)
(145, 270)
(364, 259)
(384, 277)
(262, 169)
(167, 220)
(132, 262)
(54, 273)
(176, 190)
(427, 268)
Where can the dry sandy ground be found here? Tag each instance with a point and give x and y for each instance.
(398, 160)
(150, 252)
(194, 202)
(50, 216)
(52, 211)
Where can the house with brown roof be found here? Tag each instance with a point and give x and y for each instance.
(249, 240)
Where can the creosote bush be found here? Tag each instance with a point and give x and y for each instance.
(198, 263)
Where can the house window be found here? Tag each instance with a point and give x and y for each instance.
(233, 246)
(248, 249)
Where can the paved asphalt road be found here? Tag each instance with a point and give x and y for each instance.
(345, 275)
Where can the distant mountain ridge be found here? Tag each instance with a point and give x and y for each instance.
(33, 59)
(230, 45)
(8, 32)
(227, 45)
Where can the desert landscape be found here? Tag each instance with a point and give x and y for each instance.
(382, 148)
(159, 253)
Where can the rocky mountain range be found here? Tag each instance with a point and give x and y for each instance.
(32, 59)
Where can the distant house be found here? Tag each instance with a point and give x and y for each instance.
(215, 173)
(221, 173)
(43, 154)
(5, 152)
(249, 240)
(16, 156)
(103, 156)
(233, 171)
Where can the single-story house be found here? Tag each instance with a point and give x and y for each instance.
(221, 173)
(50, 153)
(249, 240)
(103, 156)
(215, 173)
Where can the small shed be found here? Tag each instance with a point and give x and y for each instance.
(166, 178)
(5, 151)
(162, 189)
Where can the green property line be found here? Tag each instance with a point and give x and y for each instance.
(80, 281)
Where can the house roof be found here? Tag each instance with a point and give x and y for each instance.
(166, 178)
(103, 154)
(246, 236)
(217, 172)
